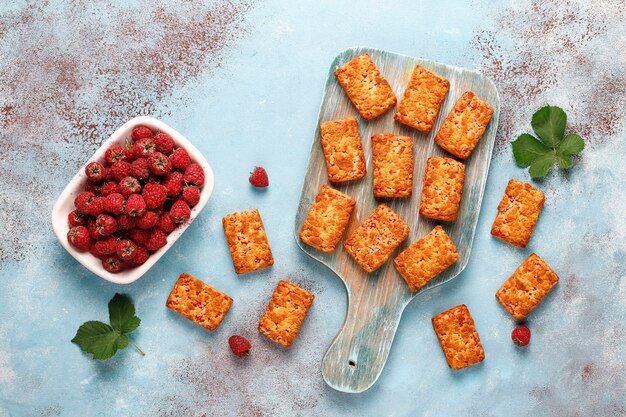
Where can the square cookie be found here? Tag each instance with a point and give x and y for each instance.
(525, 289)
(247, 241)
(422, 99)
(370, 93)
(327, 219)
(442, 189)
(458, 337)
(518, 213)
(464, 126)
(285, 313)
(426, 258)
(373, 242)
(343, 150)
(198, 302)
(393, 165)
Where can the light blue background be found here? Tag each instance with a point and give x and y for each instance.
(254, 101)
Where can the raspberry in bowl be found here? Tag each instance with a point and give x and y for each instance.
(132, 200)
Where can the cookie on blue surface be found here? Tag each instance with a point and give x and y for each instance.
(247, 241)
(458, 338)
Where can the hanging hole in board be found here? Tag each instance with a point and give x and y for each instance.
(351, 363)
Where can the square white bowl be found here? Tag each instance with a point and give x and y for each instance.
(65, 202)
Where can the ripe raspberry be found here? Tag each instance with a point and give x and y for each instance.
(147, 220)
(120, 170)
(159, 164)
(173, 181)
(191, 195)
(156, 240)
(138, 235)
(141, 132)
(83, 201)
(140, 169)
(164, 143)
(180, 159)
(79, 238)
(194, 175)
(128, 186)
(107, 188)
(112, 263)
(521, 335)
(143, 148)
(258, 178)
(94, 251)
(166, 223)
(141, 256)
(129, 153)
(126, 249)
(106, 246)
(95, 171)
(154, 195)
(114, 203)
(180, 211)
(135, 205)
(96, 207)
(125, 222)
(239, 345)
(106, 225)
(114, 154)
(92, 227)
(92, 187)
(76, 218)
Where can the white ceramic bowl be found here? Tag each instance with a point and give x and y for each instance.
(65, 202)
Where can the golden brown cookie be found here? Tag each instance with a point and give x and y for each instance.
(458, 337)
(343, 150)
(393, 165)
(442, 189)
(247, 241)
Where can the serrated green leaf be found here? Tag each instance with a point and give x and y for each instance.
(100, 339)
(541, 166)
(564, 161)
(122, 314)
(527, 149)
(549, 124)
(571, 144)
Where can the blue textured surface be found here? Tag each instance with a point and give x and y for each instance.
(70, 72)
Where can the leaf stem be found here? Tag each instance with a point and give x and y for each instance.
(136, 347)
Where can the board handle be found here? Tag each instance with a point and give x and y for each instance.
(356, 356)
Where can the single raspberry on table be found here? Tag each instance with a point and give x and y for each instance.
(114, 203)
(112, 263)
(128, 186)
(147, 220)
(106, 246)
(141, 132)
(83, 201)
(143, 147)
(139, 236)
(113, 154)
(180, 159)
(180, 211)
(239, 345)
(79, 238)
(120, 170)
(135, 205)
(140, 168)
(159, 164)
(194, 174)
(164, 143)
(106, 225)
(126, 249)
(141, 256)
(76, 218)
(166, 223)
(156, 240)
(96, 207)
(173, 181)
(95, 171)
(154, 195)
(191, 195)
(126, 222)
(521, 335)
(107, 188)
(259, 178)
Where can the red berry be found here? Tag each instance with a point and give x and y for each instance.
(141, 132)
(126, 249)
(92, 227)
(83, 201)
(106, 246)
(114, 154)
(239, 345)
(129, 152)
(94, 251)
(114, 203)
(128, 186)
(141, 256)
(143, 148)
(112, 263)
(138, 235)
(106, 225)
(147, 220)
(156, 240)
(154, 195)
(164, 143)
(92, 187)
(173, 181)
(521, 335)
(166, 223)
(180, 159)
(96, 207)
(180, 211)
(107, 188)
(191, 195)
(140, 169)
(194, 175)
(125, 222)
(79, 238)
(159, 164)
(76, 218)
(120, 170)
(95, 171)
(135, 205)
(258, 178)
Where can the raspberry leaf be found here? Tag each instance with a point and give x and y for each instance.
(549, 124)
(541, 166)
(122, 314)
(571, 144)
(564, 161)
(527, 149)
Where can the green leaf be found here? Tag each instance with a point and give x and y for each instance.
(122, 314)
(549, 124)
(527, 149)
(564, 161)
(541, 166)
(100, 339)
(571, 144)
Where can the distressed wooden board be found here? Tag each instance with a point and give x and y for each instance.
(357, 354)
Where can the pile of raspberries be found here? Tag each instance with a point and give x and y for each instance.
(133, 199)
